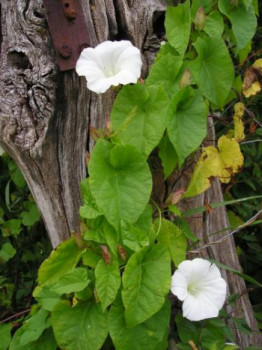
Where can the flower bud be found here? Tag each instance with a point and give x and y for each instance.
(79, 239)
(122, 252)
(185, 79)
(95, 133)
(175, 197)
(200, 18)
(106, 255)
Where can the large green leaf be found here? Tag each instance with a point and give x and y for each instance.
(214, 24)
(187, 330)
(45, 342)
(164, 72)
(111, 237)
(108, 281)
(31, 330)
(167, 155)
(145, 219)
(213, 69)
(147, 335)
(61, 261)
(243, 21)
(82, 327)
(102, 232)
(73, 281)
(5, 335)
(165, 49)
(95, 230)
(46, 297)
(171, 236)
(139, 116)
(146, 282)
(134, 237)
(120, 181)
(187, 122)
(90, 258)
(255, 5)
(89, 209)
(178, 26)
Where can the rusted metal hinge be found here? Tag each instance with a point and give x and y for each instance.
(68, 29)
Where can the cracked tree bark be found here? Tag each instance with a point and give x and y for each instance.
(45, 115)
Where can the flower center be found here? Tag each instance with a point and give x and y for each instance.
(193, 288)
(110, 71)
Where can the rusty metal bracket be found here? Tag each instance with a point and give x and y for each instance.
(68, 29)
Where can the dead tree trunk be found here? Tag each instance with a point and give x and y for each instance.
(45, 114)
(216, 246)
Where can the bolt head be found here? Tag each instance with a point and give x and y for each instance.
(65, 51)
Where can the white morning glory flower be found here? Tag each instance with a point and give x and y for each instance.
(109, 63)
(201, 288)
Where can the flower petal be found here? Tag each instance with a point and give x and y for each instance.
(112, 49)
(200, 266)
(197, 308)
(99, 85)
(194, 269)
(130, 59)
(179, 285)
(213, 274)
(123, 77)
(109, 53)
(88, 62)
(216, 291)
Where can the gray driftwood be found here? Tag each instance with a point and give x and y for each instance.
(45, 117)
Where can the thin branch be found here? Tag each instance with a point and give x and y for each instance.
(249, 57)
(251, 114)
(251, 141)
(15, 316)
(221, 240)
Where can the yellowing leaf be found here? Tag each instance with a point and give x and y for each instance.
(223, 163)
(231, 157)
(239, 134)
(258, 65)
(252, 90)
(207, 166)
(252, 84)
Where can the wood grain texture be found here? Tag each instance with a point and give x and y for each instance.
(205, 226)
(45, 116)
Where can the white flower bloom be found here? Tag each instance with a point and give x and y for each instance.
(231, 344)
(201, 288)
(109, 63)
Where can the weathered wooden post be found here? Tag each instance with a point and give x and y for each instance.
(46, 111)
